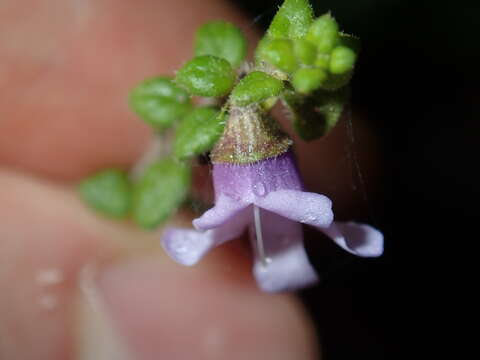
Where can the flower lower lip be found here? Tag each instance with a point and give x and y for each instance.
(267, 197)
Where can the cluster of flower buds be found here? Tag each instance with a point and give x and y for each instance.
(314, 56)
(303, 62)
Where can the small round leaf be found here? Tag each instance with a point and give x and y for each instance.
(159, 192)
(221, 39)
(159, 102)
(207, 75)
(198, 132)
(108, 191)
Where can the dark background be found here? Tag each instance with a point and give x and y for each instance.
(416, 82)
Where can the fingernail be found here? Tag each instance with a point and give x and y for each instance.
(97, 337)
(155, 315)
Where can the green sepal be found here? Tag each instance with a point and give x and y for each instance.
(350, 41)
(337, 81)
(255, 87)
(292, 20)
(315, 115)
(160, 191)
(324, 33)
(159, 102)
(221, 39)
(198, 132)
(277, 52)
(108, 191)
(207, 75)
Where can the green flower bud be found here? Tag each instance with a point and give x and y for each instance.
(221, 39)
(255, 87)
(207, 75)
(342, 60)
(159, 102)
(292, 20)
(322, 61)
(279, 53)
(108, 191)
(324, 33)
(198, 132)
(304, 51)
(159, 192)
(306, 80)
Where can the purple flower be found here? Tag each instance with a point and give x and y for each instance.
(267, 198)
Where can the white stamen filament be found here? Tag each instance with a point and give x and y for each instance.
(258, 235)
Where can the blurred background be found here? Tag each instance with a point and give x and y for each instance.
(416, 84)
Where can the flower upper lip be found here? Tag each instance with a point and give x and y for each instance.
(304, 207)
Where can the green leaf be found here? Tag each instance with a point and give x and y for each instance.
(221, 39)
(279, 53)
(198, 132)
(207, 75)
(108, 191)
(159, 102)
(324, 33)
(159, 192)
(342, 60)
(305, 80)
(255, 87)
(292, 20)
(315, 115)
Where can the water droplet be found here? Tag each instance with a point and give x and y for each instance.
(48, 301)
(259, 189)
(49, 277)
(180, 249)
(308, 218)
(183, 246)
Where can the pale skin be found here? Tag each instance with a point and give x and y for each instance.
(66, 69)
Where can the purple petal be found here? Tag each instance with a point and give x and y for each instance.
(225, 209)
(305, 207)
(188, 246)
(358, 239)
(287, 267)
(248, 181)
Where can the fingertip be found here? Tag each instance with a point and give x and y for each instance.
(179, 313)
